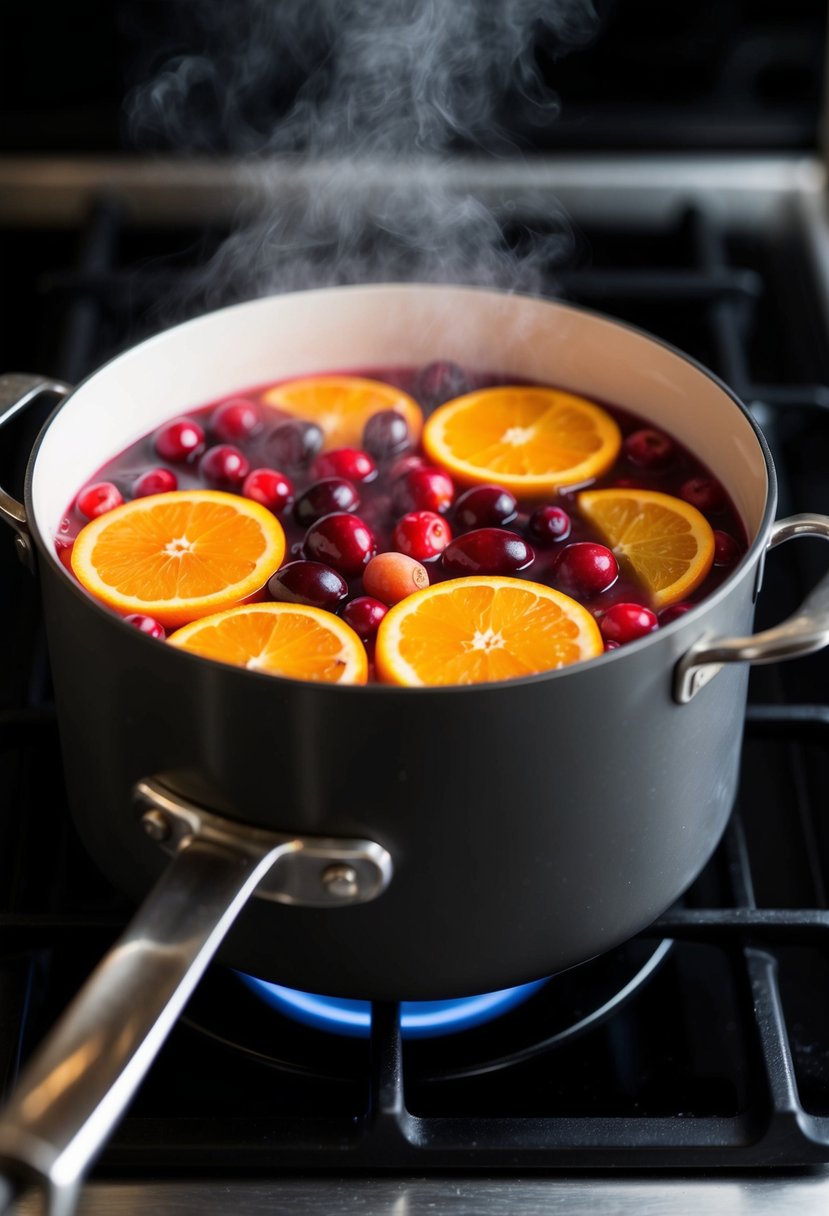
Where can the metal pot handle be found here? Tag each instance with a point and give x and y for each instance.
(78, 1083)
(803, 633)
(17, 390)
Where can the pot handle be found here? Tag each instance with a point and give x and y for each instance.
(76, 1086)
(17, 390)
(803, 633)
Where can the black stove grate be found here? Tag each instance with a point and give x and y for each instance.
(721, 1057)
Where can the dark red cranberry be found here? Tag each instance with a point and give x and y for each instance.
(627, 622)
(586, 569)
(549, 525)
(727, 551)
(673, 612)
(423, 490)
(421, 534)
(403, 465)
(270, 487)
(439, 382)
(147, 624)
(179, 440)
(364, 615)
(611, 645)
(323, 497)
(485, 507)
(386, 434)
(342, 541)
(487, 551)
(704, 493)
(650, 449)
(98, 499)
(236, 420)
(350, 463)
(309, 583)
(294, 443)
(154, 481)
(225, 466)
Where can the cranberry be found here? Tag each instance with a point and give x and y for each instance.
(236, 420)
(179, 440)
(727, 551)
(611, 645)
(439, 382)
(627, 622)
(421, 534)
(98, 499)
(364, 615)
(294, 443)
(390, 577)
(549, 524)
(271, 488)
(350, 463)
(649, 449)
(147, 624)
(673, 612)
(224, 466)
(485, 507)
(704, 493)
(341, 540)
(487, 551)
(386, 434)
(154, 481)
(423, 490)
(403, 465)
(586, 568)
(309, 583)
(323, 497)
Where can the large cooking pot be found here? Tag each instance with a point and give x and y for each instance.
(405, 843)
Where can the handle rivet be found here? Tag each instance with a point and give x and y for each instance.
(340, 880)
(156, 825)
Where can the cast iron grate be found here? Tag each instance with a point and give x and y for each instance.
(719, 1059)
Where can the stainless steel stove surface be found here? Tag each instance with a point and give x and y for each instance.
(690, 1069)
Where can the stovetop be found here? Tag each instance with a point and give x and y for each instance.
(705, 1042)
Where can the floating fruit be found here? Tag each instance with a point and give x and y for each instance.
(179, 439)
(343, 405)
(487, 551)
(390, 577)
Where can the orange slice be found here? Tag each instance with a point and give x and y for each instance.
(529, 440)
(179, 556)
(342, 405)
(666, 541)
(474, 630)
(282, 640)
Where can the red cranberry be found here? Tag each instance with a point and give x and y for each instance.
(403, 465)
(350, 463)
(650, 449)
(422, 535)
(487, 551)
(154, 481)
(586, 569)
(727, 551)
(364, 615)
(485, 507)
(439, 382)
(391, 577)
(271, 488)
(236, 420)
(423, 490)
(309, 583)
(224, 466)
(386, 434)
(549, 524)
(704, 493)
(673, 612)
(98, 499)
(179, 440)
(611, 645)
(341, 540)
(294, 443)
(147, 624)
(323, 497)
(626, 622)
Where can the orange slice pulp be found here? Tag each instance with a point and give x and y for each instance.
(280, 639)
(477, 629)
(668, 543)
(342, 405)
(180, 555)
(529, 440)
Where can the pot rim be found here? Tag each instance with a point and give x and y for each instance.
(753, 554)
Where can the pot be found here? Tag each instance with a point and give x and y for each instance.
(402, 843)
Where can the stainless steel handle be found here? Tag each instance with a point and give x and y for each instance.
(17, 390)
(803, 633)
(75, 1088)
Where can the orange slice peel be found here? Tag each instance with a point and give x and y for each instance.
(342, 405)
